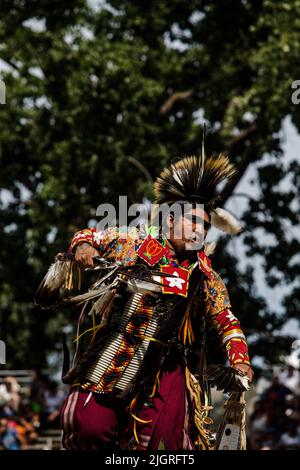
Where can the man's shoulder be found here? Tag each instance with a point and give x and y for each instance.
(118, 243)
(216, 293)
(119, 234)
(214, 279)
(205, 265)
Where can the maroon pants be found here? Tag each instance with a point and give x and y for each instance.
(98, 425)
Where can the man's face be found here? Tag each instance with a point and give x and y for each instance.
(188, 231)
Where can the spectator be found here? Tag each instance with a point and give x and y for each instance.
(258, 424)
(24, 416)
(4, 395)
(291, 438)
(272, 417)
(290, 378)
(9, 439)
(277, 393)
(53, 400)
(37, 390)
(9, 393)
(29, 423)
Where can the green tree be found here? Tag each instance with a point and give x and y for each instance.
(94, 96)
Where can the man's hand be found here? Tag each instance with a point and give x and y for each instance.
(84, 255)
(245, 370)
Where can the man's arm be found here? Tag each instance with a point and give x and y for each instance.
(114, 243)
(84, 253)
(234, 341)
(86, 235)
(84, 245)
(220, 316)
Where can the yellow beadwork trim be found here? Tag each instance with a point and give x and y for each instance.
(96, 328)
(156, 384)
(234, 330)
(135, 418)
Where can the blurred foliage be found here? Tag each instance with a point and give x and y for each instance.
(91, 91)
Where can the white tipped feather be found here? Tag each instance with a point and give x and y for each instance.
(56, 275)
(54, 283)
(209, 248)
(223, 220)
(177, 176)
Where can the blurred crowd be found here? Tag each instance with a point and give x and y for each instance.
(273, 424)
(275, 421)
(25, 414)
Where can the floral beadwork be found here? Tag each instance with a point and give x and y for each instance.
(110, 244)
(216, 295)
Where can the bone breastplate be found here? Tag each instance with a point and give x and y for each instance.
(121, 356)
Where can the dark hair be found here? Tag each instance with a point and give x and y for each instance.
(195, 205)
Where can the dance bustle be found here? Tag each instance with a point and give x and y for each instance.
(62, 278)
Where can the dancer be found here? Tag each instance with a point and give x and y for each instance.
(138, 376)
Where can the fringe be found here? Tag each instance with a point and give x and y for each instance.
(201, 418)
(235, 413)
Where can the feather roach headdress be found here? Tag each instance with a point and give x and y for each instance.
(196, 179)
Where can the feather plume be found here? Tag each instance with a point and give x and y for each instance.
(223, 220)
(209, 248)
(89, 295)
(226, 378)
(62, 278)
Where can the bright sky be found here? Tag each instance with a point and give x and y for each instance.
(291, 146)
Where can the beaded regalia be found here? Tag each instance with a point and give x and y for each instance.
(145, 333)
